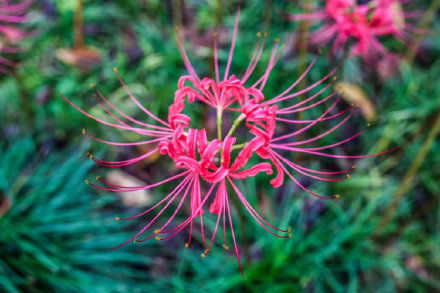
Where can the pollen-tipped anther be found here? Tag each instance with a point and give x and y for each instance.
(348, 176)
(290, 235)
(156, 231)
(93, 85)
(203, 255)
(225, 246)
(86, 181)
(115, 70)
(135, 241)
(98, 177)
(83, 131)
(289, 229)
(337, 195)
(259, 34)
(354, 166)
(368, 125)
(117, 218)
(157, 238)
(186, 245)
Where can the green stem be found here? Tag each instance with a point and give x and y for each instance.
(239, 146)
(219, 122)
(235, 124)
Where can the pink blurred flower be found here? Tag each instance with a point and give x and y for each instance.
(10, 16)
(345, 21)
(208, 166)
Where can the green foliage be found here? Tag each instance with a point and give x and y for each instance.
(56, 234)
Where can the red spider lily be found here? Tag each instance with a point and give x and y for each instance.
(215, 164)
(10, 15)
(345, 21)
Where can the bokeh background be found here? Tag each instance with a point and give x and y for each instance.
(382, 235)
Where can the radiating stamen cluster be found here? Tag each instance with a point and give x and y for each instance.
(10, 34)
(344, 21)
(211, 166)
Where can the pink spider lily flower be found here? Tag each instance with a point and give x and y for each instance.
(345, 21)
(207, 167)
(10, 34)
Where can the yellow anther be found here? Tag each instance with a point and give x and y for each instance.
(186, 245)
(276, 40)
(337, 195)
(88, 154)
(265, 34)
(206, 251)
(290, 229)
(352, 104)
(259, 34)
(92, 85)
(87, 181)
(135, 241)
(215, 34)
(156, 231)
(348, 176)
(157, 238)
(225, 246)
(335, 78)
(115, 70)
(176, 27)
(98, 177)
(354, 166)
(319, 51)
(283, 46)
(368, 125)
(117, 218)
(91, 156)
(290, 235)
(203, 255)
(83, 131)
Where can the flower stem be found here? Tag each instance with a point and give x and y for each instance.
(236, 123)
(219, 122)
